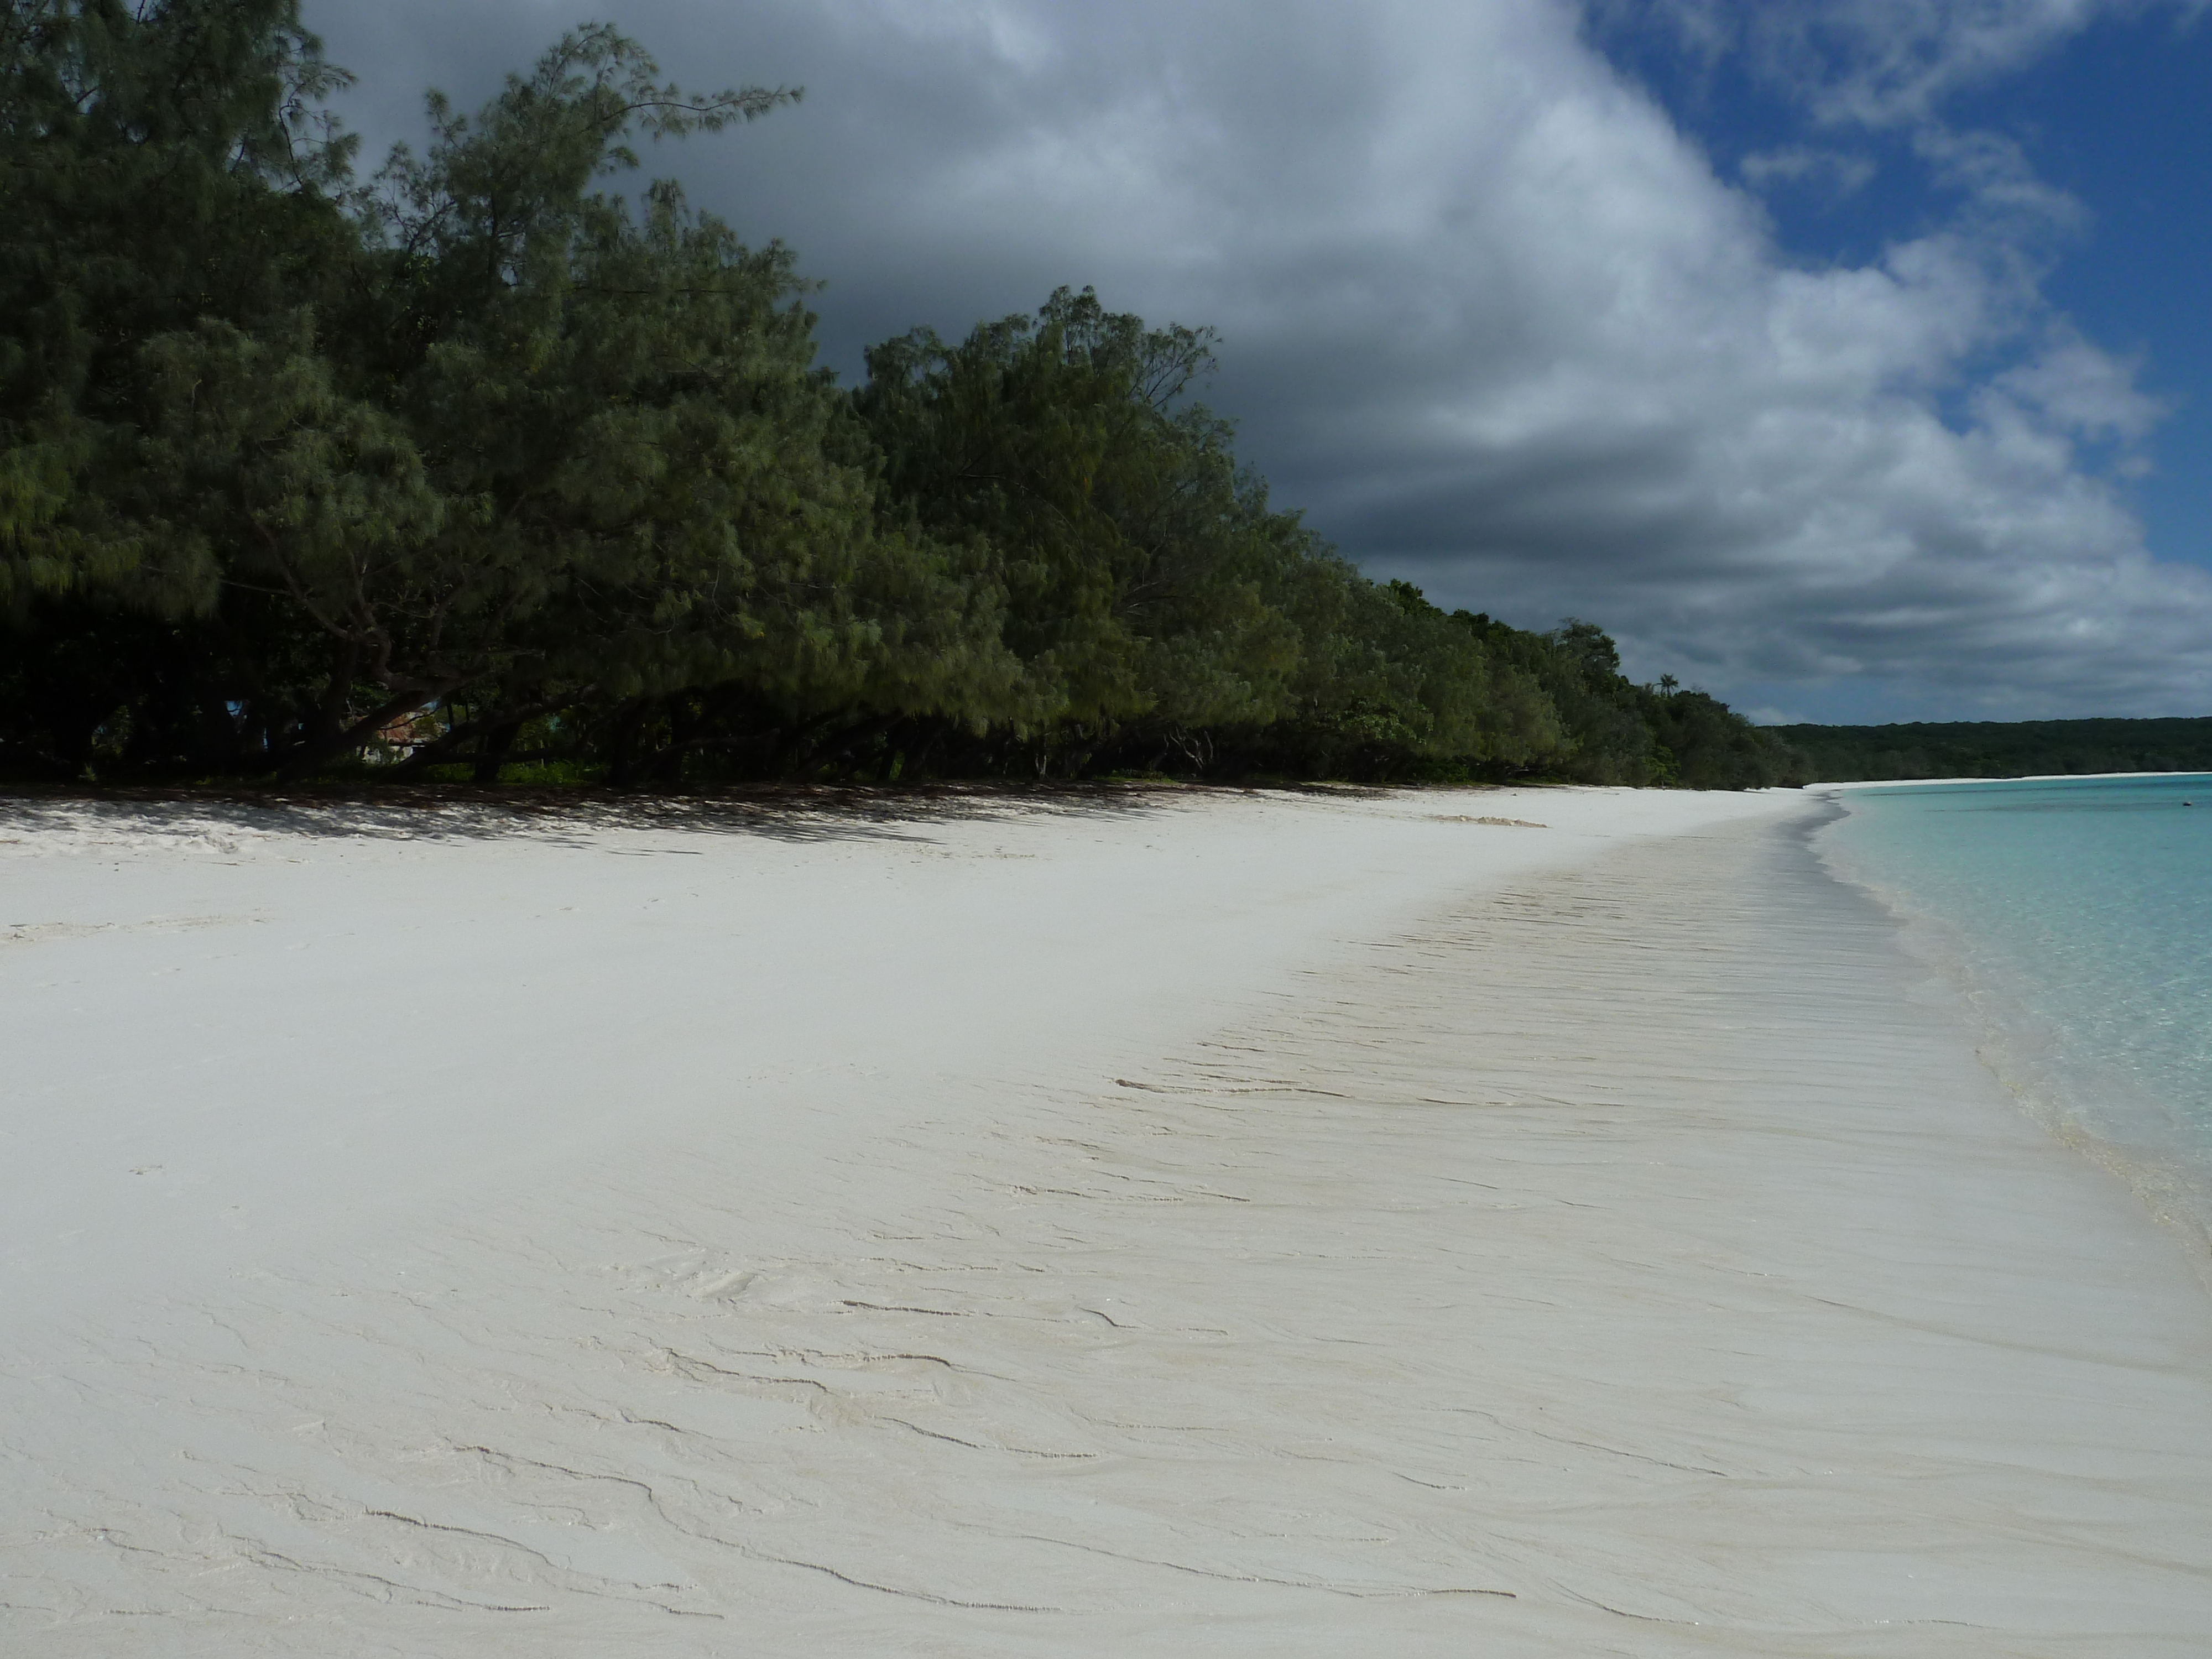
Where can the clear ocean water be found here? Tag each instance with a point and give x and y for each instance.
(2078, 916)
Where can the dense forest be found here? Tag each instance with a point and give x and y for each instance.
(1993, 749)
(481, 468)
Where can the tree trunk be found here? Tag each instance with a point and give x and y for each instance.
(897, 741)
(313, 751)
(795, 744)
(329, 718)
(622, 752)
(492, 751)
(845, 742)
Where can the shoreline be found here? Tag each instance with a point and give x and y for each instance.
(1365, 1226)
(2073, 1103)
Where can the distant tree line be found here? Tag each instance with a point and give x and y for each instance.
(478, 468)
(1994, 748)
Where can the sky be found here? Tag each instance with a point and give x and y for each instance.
(1849, 359)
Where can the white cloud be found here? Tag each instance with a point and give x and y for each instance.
(1490, 316)
(2080, 390)
(1876, 62)
(1832, 172)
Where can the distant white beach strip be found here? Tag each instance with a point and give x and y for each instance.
(1222, 1224)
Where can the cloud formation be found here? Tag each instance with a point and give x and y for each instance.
(1879, 63)
(1486, 313)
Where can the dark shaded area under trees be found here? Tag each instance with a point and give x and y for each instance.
(1997, 749)
(482, 470)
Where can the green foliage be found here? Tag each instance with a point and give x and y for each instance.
(158, 168)
(487, 471)
(1055, 454)
(1990, 749)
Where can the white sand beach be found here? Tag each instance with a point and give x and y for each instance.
(1548, 1222)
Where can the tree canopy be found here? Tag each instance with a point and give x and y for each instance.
(493, 461)
(1999, 749)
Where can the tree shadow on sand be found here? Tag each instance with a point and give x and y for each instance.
(786, 812)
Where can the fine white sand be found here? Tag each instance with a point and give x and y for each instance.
(1250, 1224)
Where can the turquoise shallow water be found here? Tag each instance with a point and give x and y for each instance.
(2077, 915)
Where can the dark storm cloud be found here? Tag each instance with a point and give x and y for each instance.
(1486, 314)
